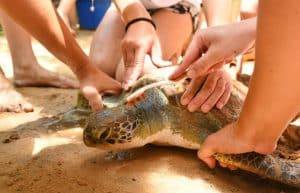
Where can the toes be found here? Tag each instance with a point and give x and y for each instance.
(27, 107)
(12, 101)
(18, 107)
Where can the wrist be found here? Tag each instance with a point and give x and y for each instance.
(83, 70)
(256, 136)
(140, 19)
(133, 11)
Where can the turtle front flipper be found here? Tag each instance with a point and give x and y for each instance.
(277, 169)
(74, 117)
(108, 101)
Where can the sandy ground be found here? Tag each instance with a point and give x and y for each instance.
(37, 160)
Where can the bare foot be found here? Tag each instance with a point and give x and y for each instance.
(11, 100)
(35, 75)
(66, 19)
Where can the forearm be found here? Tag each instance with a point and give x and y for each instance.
(274, 92)
(42, 21)
(131, 9)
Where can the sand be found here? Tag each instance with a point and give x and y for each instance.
(35, 160)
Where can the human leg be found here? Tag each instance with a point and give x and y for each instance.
(27, 71)
(220, 12)
(10, 99)
(65, 9)
(248, 8)
(174, 31)
(105, 50)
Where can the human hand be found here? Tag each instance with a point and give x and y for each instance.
(208, 91)
(232, 139)
(215, 46)
(94, 83)
(140, 39)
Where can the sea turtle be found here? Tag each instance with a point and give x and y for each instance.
(161, 119)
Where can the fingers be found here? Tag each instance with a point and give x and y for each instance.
(191, 90)
(201, 66)
(214, 97)
(231, 167)
(133, 68)
(129, 57)
(156, 56)
(193, 52)
(206, 90)
(216, 90)
(206, 152)
(27, 107)
(113, 87)
(103, 83)
(225, 97)
(94, 97)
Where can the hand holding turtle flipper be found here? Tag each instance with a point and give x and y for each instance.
(94, 83)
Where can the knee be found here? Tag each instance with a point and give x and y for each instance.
(248, 8)
(103, 64)
(97, 59)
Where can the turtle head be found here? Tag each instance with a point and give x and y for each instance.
(116, 128)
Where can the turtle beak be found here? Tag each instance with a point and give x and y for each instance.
(94, 136)
(88, 139)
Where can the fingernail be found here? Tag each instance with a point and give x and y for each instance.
(125, 86)
(171, 76)
(129, 83)
(205, 108)
(191, 108)
(191, 73)
(184, 101)
(220, 106)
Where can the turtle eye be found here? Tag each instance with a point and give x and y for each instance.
(111, 141)
(104, 134)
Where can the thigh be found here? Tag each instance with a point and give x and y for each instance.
(174, 32)
(105, 51)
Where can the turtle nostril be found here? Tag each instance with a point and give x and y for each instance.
(104, 134)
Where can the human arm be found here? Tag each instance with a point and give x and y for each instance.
(139, 40)
(213, 47)
(213, 89)
(274, 92)
(43, 22)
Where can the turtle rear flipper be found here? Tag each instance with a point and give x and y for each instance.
(277, 169)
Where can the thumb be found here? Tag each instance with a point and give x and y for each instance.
(206, 153)
(156, 56)
(193, 52)
(113, 87)
(93, 96)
